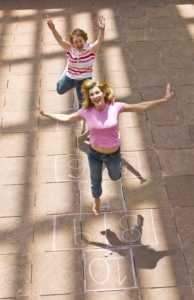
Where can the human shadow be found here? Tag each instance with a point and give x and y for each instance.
(144, 256)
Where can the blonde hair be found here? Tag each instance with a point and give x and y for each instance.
(79, 32)
(89, 84)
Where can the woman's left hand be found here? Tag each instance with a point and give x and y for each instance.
(169, 93)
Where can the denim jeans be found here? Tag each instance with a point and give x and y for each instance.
(65, 84)
(96, 160)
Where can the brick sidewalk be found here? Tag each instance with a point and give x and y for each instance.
(141, 246)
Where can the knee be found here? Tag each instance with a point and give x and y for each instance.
(60, 92)
(115, 177)
(59, 89)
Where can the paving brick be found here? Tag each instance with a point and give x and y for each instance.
(18, 122)
(55, 143)
(24, 83)
(182, 61)
(17, 170)
(147, 273)
(174, 46)
(171, 292)
(57, 198)
(176, 162)
(135, 141)
(181, 78)
(184, 228)
(15, 275)
(191, 132)
(51, 101)
(20, 102)
(16, 235)
(154, 78)
(188, 252)
(145, 193)
(163, 116)
(165, 137)
(17, 200)
(180, 190)
(148, 62)
(28, 66)
(18, 144)
(52, 275)
(140, 164)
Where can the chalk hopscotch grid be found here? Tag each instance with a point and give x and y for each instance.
(82, 168)
(128, 214)
(84, 249)
(108, 261)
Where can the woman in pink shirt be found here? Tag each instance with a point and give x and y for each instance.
(101, 113)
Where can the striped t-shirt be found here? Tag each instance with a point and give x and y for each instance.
(80, 63)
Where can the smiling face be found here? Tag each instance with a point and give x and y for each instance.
(78, 42)
(97, 98)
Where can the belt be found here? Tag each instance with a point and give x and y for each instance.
(104, 153)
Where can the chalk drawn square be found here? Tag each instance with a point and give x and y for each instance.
(111, 199)
(140, 164)
(92, 229)
(67, 233)
(132, 228)
(109, 270)
(71, 167)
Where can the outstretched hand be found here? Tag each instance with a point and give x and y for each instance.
(50, 23)
(39, 108)
(101, 22)
(169, 93)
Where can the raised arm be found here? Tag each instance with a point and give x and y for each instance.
(74, 117)
(95, 47)
(149, 104)
(63, 43)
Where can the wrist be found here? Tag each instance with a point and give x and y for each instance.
(52, 28)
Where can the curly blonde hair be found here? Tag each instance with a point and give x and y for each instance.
(89, 84)
(79, 32)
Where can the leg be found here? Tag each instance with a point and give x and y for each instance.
(79, 92)
(80, 99)
(65, 84)
(96, 206)
(95, 164)
(113, 164)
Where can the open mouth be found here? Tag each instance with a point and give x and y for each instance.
(97, 100)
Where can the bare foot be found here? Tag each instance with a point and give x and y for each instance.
(96, 206)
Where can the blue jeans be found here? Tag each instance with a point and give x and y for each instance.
(65, 84)
(96, 160)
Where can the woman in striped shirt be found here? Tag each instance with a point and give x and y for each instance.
(80, 58)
